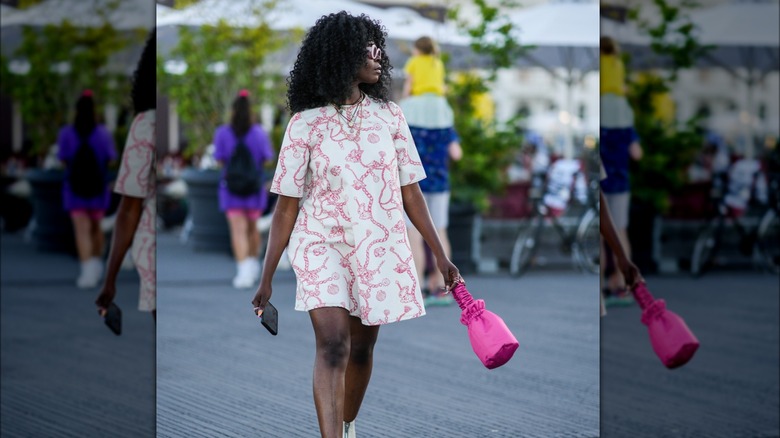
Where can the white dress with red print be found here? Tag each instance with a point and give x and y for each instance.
(137, 179)
(349, 246)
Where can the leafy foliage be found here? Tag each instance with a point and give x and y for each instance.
(220, 60)
(63, 60)
(488, 147)
(669, 147)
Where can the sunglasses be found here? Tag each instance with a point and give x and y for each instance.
(374, 52)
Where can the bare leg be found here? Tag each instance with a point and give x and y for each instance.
(436, 281)
(418, 252)
(254, 239)
(97, 239)
(332, 336)
(82, 229)
(238, 232)
(361, 360)
(616, 280)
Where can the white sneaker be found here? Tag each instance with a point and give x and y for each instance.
(90, 274)
(255, 265)
(243, 278)
(98, 267)
(349, 429)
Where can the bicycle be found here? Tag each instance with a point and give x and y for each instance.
(582, 241)
(760, 240)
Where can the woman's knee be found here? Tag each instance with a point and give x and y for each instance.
(334, 350)
(361, 351)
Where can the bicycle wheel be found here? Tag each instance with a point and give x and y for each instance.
(588, 242)
(524, 248)
(769, 240)
(704, 250)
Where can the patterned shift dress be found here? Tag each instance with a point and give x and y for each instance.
(349, 246)
(137, 179)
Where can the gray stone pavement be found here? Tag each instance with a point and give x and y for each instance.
(731, 387)
(221, 374)
(63, 373)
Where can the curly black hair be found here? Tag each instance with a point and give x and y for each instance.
(144, 92)
(332, 53)
(241, 120)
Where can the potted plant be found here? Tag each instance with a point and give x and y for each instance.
(488, 146)
(47, 73)
(669, 147)
(190, 76)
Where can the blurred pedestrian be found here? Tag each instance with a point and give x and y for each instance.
(619, 143)
(431, 122)
(347, 171)
(243, 148)
(611, 237)
(136, 216)
(86, 147)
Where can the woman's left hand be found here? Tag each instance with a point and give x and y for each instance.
(449, 271)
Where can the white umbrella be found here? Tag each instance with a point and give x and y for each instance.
(566, 34)
(752, 43)
(128, 15)
(401, 23)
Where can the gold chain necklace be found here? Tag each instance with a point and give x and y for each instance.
(351, 120)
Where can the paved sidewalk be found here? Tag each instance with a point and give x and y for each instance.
(731, 387)
(221, 374)
(64, 374)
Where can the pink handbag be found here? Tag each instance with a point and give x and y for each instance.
(490, 338)
(672, 340)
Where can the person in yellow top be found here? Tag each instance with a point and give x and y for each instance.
(431, 124)
(424, 70)
(619, 143)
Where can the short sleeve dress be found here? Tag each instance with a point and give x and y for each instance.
(225, 141)
(349, 245)
(137, 179)
(102, 143)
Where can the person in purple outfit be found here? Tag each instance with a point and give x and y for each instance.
(86, 211)
(242, 212)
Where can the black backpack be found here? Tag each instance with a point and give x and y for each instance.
(243, 175)
(86, 178)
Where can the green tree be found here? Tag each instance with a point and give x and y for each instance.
(488, 146)
(670, 148)
(60, 61)
(220, 60)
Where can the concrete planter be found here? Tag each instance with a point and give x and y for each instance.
(464, 232)
(207, 228)
(53, 230)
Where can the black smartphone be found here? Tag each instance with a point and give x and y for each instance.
(113, 318)
(270, 318)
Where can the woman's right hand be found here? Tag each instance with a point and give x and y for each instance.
(262, 296)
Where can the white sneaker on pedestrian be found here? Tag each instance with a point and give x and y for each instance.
(90, 274)
(243, 278)
(255, 265)
(349, 429)
(99, 268)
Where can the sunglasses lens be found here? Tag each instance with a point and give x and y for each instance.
(374, 52)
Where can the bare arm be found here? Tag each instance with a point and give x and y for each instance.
(407, 91)
(417, 210)
(285, 215)
(127, 217)
(608, 231)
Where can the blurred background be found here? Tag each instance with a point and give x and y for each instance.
(63, 372)
(702, 80)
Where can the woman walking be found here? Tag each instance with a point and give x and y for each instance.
(86, 148)
(243, 148)
(137, 212)
(348, 170)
